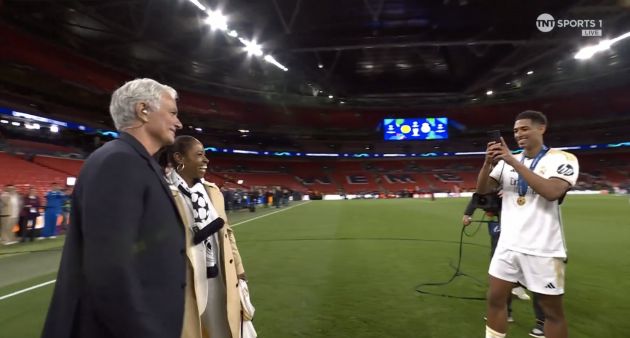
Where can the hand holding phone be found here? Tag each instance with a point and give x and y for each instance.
(495, 136)
(494, 142)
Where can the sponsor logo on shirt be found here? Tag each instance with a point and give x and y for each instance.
(565, 169)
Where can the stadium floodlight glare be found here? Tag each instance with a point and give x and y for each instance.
(54, 128)
(587, 52)
(198, 4)
(620, 37)
(489, 92)
(605, 44)
(530, 72)
(244, 131)
(216, 20)
(251, 47)
(274, 62)
(4, 121)
(330, 96)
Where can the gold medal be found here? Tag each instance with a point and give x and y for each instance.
(520, 200)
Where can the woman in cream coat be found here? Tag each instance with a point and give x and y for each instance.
(215, 265)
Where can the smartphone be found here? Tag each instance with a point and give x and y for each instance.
(494, 136)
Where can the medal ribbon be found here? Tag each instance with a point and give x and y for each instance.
(522, 184)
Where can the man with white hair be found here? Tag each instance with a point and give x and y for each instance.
(123, 269)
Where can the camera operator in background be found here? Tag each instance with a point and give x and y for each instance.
(491, 205)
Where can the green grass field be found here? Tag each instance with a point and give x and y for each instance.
(350, 268)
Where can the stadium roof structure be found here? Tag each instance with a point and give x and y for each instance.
(339, 66)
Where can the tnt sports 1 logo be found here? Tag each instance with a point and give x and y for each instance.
(545, 23)
(565, 169)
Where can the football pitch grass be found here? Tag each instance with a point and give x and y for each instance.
(350, 269)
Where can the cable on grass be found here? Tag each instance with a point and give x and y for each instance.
(420, 288)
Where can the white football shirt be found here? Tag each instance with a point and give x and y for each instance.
(534, 228)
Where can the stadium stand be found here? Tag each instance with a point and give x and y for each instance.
(65, 165)
(600, 171)
(20, 172)
(252, 179)
(38, 147)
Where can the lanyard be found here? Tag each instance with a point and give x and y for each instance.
(522, 184)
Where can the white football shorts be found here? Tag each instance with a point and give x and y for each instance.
(544, 275)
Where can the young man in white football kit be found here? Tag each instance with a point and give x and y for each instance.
(531, 250)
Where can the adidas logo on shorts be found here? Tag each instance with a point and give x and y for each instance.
(550, 286)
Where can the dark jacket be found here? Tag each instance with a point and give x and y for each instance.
(30, 206)
(122, 272)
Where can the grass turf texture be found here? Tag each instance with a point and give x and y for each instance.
(350, 268)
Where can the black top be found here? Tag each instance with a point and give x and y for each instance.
(122, 272)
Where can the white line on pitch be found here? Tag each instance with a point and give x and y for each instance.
(27, 289)
(271, 213)
(52, 281)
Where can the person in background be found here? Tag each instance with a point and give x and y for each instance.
(9, 214)
(23, 214)
(30, 210)
(226, 200)
(54, 201)
(277, 197)
(65, 209)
